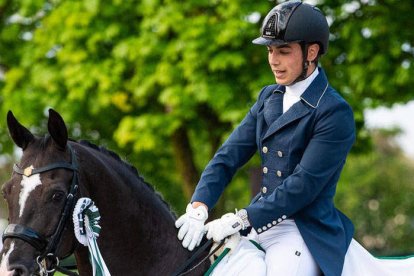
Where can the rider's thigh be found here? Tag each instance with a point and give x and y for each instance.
(290, 258)
(256, 267)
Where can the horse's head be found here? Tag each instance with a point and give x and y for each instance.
(39, 195)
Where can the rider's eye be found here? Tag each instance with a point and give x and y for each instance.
(58, 196)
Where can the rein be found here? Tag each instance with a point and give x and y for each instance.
(47, 247)
(182, 269)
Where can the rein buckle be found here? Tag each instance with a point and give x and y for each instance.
(42, 263)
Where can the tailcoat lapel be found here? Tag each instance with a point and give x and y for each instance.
(273, 109)
(297, 111)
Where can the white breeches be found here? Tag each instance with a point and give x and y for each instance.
(286, 252)
(286, 255)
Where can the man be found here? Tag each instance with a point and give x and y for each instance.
(303, 130)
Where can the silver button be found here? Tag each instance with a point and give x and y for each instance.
(274, 222)
(279, 173)
(259, 230)
(279, 220)
(264, 228)
(269, 225)
(279, 153)
(264, 190)
(284, 217)
(264, 169)
(264, 149)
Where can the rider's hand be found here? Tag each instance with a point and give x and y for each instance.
(225, 226)
(191, 226)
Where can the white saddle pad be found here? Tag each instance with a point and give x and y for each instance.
(359, 262)
(244, 260)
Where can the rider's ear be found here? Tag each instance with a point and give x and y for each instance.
(313, 51)
(57, 129)
(20, 135)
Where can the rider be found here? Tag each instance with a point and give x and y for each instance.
(303, 130)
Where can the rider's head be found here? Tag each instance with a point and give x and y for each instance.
(294, 25)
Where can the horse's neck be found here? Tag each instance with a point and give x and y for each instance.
(82, 261)
(136, 224)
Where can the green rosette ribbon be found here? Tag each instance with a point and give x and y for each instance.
(86, 225)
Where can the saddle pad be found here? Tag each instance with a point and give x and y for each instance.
(359, 262)
(245, 260)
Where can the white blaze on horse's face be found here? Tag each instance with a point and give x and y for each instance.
(5, 262)
(29, 183)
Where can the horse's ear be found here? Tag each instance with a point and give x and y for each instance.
(20, 135)
(57, 129)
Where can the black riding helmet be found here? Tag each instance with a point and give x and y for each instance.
(294, 21)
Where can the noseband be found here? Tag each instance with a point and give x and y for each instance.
(47, 246)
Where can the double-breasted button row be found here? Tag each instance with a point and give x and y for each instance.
(266, 170)
(266, 150)
(270, 225)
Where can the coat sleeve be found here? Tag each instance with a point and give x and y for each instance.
(317, 172)
(234, 153)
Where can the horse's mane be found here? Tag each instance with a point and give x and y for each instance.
(115, 156)
(130, 167)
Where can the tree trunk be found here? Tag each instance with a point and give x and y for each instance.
(183, 155)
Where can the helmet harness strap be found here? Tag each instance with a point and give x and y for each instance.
(305, 63)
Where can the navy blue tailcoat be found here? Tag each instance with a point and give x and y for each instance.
(303, 152)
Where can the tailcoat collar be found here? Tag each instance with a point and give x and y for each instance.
(315, 91)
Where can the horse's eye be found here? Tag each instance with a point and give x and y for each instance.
(3, 193)
(58, 196)
(4, 189)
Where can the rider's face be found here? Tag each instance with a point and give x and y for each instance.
(286, 62)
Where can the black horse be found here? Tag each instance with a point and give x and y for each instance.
(138, 235)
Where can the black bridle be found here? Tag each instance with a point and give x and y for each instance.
(47, 246)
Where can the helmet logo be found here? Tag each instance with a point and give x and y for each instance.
(270, 28)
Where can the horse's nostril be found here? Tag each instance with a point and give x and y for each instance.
(19, 270)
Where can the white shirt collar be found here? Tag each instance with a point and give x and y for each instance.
(298, 88)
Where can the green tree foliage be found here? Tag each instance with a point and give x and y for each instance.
(376, 191)
(371, 54)
(156, 80)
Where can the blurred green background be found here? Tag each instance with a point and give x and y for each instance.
(163, 83)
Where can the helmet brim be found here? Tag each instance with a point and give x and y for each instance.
(268, 41)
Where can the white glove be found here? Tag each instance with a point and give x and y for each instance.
(223, 227)
(191, 226)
